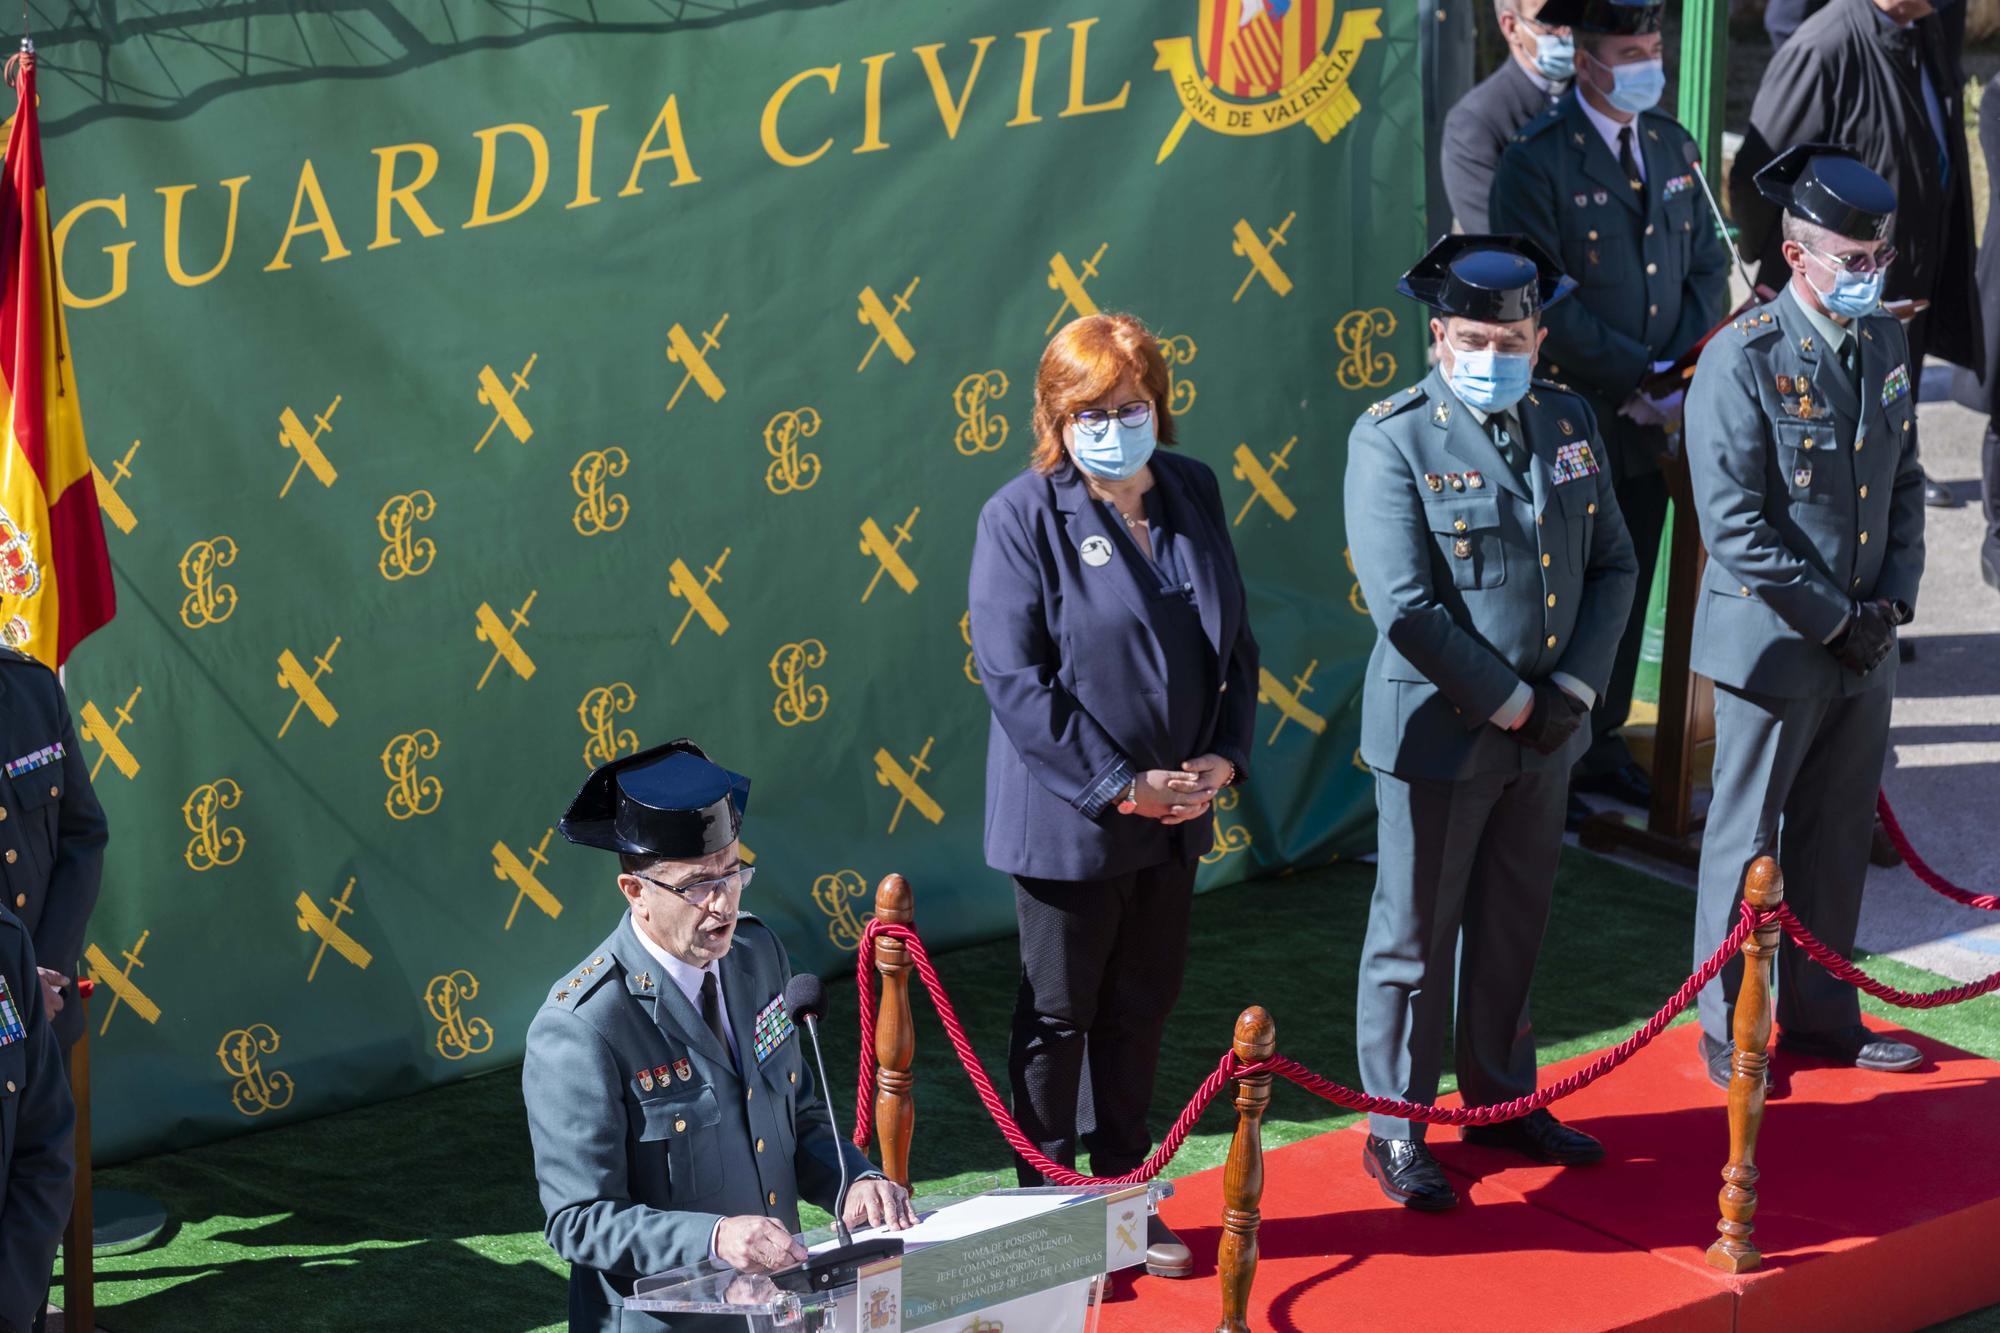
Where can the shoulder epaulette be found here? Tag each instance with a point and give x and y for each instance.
(15, 657)
(1554, 386)
(1388, 407)
(1540, 124)
(588, 976)
(1756, 324)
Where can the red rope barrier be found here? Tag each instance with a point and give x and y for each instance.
(1985, 902)
(1854, 976)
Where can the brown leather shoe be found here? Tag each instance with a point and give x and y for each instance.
(1166, 1256)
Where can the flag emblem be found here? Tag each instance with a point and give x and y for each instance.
(55, 574)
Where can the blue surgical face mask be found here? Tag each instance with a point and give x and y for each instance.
(1853, 295)
(1636, 87)
(1555, 57)
(1116, 454)
(1489, 381)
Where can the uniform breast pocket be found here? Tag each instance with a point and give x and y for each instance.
(1578, 502)
(37, 800)
(1808, 457)
(1467, 533)
(678, 1137)
(13, 1074)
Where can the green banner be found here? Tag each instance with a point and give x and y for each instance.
(480, 391)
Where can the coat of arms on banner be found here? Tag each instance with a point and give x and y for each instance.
(20, 576)
(1253, 66)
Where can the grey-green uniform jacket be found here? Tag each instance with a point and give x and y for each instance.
(1809, 498)
(644, 1133)
(37, 1170)
(1478, 581)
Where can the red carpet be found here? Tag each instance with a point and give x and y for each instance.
(1879, 1209)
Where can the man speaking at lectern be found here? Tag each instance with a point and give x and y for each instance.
(673, 1116)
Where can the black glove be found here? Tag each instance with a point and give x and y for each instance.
(1552, 721)
(1869, 636)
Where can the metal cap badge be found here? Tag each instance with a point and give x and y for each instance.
(1827, 184)
(666, 801)
(1498, 279)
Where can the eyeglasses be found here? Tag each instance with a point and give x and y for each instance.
(1094, 421)
(1861, 265)
(700, 892)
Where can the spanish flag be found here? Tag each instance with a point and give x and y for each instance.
(55, 574)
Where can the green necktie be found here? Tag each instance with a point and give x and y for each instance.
(1511, 448)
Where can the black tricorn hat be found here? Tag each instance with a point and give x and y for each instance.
(1827, 184)
(1614, 18)
(1498, 279)
(666, 801)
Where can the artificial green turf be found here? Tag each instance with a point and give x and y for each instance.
(421, 1213)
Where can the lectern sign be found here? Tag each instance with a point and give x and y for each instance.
(1051, 1249)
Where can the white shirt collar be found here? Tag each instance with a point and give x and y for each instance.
(685, 975)
(1608, 130)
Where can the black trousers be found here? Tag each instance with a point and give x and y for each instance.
(1101, 964)
(1642, 499)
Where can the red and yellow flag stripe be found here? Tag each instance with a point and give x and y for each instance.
(55, 573)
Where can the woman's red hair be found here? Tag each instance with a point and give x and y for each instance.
(1087, 359)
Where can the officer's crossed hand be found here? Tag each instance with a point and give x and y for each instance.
(1170, 795)
(1554, 715)
(1869, 637)
(52, 989)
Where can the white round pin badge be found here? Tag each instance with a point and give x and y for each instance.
(1096, 551)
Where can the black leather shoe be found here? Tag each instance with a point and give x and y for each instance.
(1939, 496)
(1882, 852)
(1854, 1046)
(1540, 1136)
(1577, 813)
(1717, 1058)
(1408, 1174)
(1906, 649)
(1166, 1256)
(1628, 783)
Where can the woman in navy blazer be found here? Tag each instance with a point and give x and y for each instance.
(1109, 628)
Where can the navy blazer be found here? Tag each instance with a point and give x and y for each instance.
(1071, 661)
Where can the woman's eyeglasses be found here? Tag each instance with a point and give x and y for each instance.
(698, 893)
(1094, 421)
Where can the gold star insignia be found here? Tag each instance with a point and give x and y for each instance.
(561, 995)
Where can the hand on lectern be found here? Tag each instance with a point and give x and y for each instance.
(877, 1201)
(757, 1245)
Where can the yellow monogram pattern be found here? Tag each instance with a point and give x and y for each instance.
(1229, 838)
(1177, 351)
(971, 667)
(979, 431)
(889, 554)
(883, 320)
(1263, 263)
(1069, 280)
(457, 1036)
(509, 868)
(789, 469)
(798, 702)
(411, 793)
(208, 602)
(305, 689)
(304, 445)
(903, 781)
(1361, 366)
(214, 843)
(504, 399)
(1355, 600)
(693, 362)
(255, 1090)
(402, 555)
(1290, 702)
(600, 509)
(326, 925)
(836, 894)
(505, 639)
(599, 713)
(682, 583)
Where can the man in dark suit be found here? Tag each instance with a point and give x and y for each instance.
(37, 1117)
(1489, 547)
(1601, 182)
(52, 830)
(1537, 71)
(1981, 391)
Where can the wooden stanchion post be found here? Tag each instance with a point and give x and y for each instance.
(1243, 1175)
(895, 1035)
(79, 1274)
(1733, 1251)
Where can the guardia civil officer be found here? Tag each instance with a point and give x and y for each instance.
(673, 1116)
(52, 830)
(1487, 539)
(1477, 130)
(1802, 445)
(1600, 181)
(37, 1168)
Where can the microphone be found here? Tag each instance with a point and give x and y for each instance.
(805, 1000)
(1691, 153)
